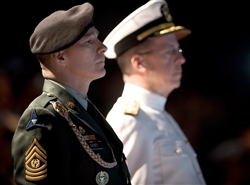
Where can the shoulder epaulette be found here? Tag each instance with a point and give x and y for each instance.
(131, 107)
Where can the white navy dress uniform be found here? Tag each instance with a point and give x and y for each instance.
(157, 151)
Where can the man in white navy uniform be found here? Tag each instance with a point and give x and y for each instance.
(145, 45)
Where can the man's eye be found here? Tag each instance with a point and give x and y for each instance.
(171, 51)
(88, 41)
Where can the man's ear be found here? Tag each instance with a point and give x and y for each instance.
(137, 62)
(58, 57)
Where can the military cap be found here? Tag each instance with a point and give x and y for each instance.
(62, 29)
(151, 19)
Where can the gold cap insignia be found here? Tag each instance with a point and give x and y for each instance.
(165, 11)
(35, 162)
(131, 107)
(102, 178)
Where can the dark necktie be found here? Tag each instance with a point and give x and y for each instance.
(93, 112)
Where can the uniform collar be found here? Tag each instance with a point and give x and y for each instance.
(144, 96)
(57, 90)
(73, 92)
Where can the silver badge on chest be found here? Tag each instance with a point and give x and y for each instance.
(102, 178)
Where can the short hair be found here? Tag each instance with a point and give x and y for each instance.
(123, 60)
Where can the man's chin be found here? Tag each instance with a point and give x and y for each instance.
(177, 85)
(100, 74)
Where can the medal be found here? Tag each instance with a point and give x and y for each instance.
(102, 178)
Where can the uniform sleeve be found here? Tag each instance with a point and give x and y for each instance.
(137, 146)
(35, 152)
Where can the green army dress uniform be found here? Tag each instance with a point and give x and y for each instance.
(58, 142)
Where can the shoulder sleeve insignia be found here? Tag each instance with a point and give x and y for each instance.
(34, 121)
(131, 107)
(35, 162)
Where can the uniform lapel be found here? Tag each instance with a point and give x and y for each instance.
(106, 128)
(83, 116)
(76, 111)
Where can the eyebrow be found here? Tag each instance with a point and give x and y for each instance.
(92, 32)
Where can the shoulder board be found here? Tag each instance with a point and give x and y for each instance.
(131, 107)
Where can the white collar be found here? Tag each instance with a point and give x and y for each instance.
(144, 96)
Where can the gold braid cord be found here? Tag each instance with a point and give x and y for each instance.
(64, 112)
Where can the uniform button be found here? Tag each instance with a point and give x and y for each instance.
(186, 142)
(49, 94)
(122, 159)
(178, 151)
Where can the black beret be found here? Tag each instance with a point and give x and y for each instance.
(61, 29)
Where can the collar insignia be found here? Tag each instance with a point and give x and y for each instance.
(70, 104)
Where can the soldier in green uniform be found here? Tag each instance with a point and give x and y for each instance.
(62, 138)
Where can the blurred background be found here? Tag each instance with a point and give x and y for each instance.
(211, 106)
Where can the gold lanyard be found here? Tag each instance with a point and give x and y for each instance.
(64, 112)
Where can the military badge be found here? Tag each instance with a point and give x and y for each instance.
(35, 162)
(60, 109)
(102, 178)
(131, 107)
(82, 131)
(34, 122)
(89, 137)
(64, 112)
(70, 104)
(166, 13)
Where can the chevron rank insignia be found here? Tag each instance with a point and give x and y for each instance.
(35, 162)
(34, 121)
(131, 107)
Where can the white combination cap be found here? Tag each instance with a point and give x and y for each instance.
(151, 19)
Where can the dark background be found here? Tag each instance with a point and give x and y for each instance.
(211, 106)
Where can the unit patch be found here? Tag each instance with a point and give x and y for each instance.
(34, 121)
(35, 162)
(131, 107)
(102, 178)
